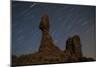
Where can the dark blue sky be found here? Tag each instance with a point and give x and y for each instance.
(65, 21)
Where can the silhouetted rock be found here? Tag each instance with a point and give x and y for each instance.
(73, 47)
(49, 52)
(47, 46)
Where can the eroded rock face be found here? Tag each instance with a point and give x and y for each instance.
(69, 47)
(77, 46)
(73, 47)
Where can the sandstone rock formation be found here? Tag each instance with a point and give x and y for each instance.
(47, 44)
(47, 48)
(73, 47)
(49, 53)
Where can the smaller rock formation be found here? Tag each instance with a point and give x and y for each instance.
(73, 47)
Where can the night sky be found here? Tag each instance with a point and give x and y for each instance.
(65, 21)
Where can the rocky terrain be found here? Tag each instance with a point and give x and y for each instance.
(48, 53)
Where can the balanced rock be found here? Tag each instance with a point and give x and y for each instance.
(47, 48)
(47, 44)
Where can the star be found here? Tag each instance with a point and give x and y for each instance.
(34, 4)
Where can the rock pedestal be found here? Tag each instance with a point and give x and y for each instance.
(47, 48)
(46, 44)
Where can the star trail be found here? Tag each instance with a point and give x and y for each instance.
(65, 21)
